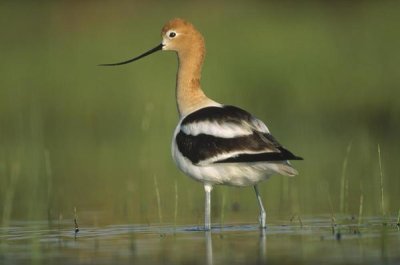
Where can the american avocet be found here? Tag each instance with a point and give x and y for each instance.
(215, 143)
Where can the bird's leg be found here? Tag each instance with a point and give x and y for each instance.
(207, 214)
(263, 215)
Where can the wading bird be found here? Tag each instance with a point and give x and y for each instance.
(215, 143)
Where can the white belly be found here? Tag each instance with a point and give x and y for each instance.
(235, 174)
(225, 173)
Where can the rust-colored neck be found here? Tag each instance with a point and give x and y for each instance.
(189, 94)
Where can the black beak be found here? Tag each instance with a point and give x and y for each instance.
(157, 48)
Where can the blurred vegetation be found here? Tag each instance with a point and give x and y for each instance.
(323, 75)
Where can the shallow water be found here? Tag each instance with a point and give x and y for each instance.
(306, 241)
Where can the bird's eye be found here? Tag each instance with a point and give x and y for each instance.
(172, 34)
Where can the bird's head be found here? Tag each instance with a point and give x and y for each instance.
(177, 35)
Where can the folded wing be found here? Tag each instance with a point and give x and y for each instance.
(228, 135)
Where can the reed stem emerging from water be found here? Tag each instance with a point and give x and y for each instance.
(381, 177)
(344, 184)
(49, 178)
(333, 219)
(76, 222)
(360, 210)
(9, 194)
(223, 206)
(158, 199)
(176, 202)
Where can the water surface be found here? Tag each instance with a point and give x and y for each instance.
(311, 241)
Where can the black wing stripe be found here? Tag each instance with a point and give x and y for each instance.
(260, 157)
(202, 147)
(220, 114)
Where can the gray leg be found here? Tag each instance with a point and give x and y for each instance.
(263, 215)
(209, 249)
(207, 214)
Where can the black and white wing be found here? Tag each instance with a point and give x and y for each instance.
(227, 134)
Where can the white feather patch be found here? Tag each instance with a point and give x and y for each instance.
(223, 130)
(227, 155)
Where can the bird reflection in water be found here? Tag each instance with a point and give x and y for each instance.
(262, 247)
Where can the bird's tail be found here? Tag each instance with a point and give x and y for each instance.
(286, 169)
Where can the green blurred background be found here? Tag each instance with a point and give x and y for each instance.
(323, 75)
